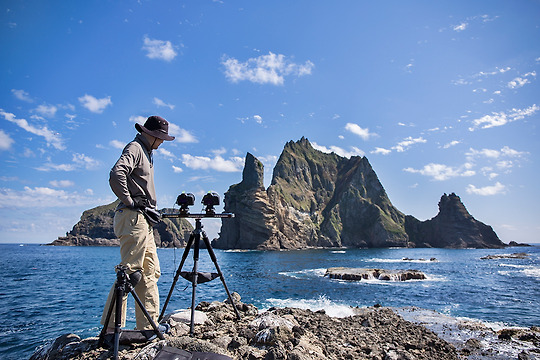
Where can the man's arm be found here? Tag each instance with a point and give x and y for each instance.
(118, 177)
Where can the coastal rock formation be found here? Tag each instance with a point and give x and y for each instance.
(521, 255)
(453, 227)
(315, 200)
(286, 333)
(355, 274)
(325, 200)
(95, 228)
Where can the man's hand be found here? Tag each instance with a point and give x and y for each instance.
(140, 202)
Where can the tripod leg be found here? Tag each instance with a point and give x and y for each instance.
(147, 315)
(118, 317)
(107, 319)
(194, 282)
(214, 259)
(184, 256)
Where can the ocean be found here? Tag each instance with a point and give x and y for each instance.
(49, 291)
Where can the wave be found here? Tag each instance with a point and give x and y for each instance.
(527, 270)
(304, 274)
(332, 308)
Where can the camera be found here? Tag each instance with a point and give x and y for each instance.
(210, 200)
(184, 200)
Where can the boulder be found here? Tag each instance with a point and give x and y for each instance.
(357, 274)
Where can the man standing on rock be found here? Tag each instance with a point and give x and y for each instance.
(132, 181)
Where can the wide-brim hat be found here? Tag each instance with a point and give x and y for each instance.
(157, 127)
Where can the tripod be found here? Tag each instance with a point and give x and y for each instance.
(122, 286)
(194, 276)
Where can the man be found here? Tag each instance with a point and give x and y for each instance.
(132, 180)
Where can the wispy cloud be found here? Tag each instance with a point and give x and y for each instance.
(46, 110)
(22, 95)
(95, 105)
(159, 49)
(521, 81)
(217, 163)
(182, 135)
(407, 143)
(52, 138)
(381, 151)
(5, 141)
(364, 133)
(503, 118)
(442, 172)
(160, 102)
(498, 188)
(42, 197)
(79, 161)
(265, 69)
(61, 183)
(339, 151)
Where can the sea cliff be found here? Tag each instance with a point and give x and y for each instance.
(324, 200)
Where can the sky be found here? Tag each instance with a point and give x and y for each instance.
(440, 96)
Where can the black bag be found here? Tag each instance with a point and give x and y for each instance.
(152, 215)
(171, 353)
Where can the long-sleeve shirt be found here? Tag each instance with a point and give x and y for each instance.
(133, 173)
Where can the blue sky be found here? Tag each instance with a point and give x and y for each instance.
(440, 96)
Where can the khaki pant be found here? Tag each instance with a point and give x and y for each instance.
(138, 252)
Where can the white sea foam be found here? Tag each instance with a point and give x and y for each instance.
(331, 308)
(338, 252)
(532, 271)
(304, 274)
(402, 260)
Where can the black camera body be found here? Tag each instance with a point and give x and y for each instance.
(185, 199)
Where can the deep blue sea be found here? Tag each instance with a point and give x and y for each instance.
(48, 291)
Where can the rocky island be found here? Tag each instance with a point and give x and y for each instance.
(325, 200)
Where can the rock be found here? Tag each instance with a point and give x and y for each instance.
(357, 274)
(325, 200)
(513, 243)
(506, 256)
(95, 228)
(286, 333)
(453, 227)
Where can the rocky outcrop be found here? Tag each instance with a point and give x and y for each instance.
(453, 227)
(355, 274)
(506, 256)
(95, 228)
(315, 200)
(325, 200)
(287, 333)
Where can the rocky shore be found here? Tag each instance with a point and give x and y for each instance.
(297, 334)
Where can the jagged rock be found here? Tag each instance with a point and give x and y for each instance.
(453, 227)
(286, 333)
(356, 274)
(95, 228)
(315, 200)
(325, 200)
(506, 256)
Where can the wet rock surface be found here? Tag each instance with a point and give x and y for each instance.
(356, 274)
(284, 333)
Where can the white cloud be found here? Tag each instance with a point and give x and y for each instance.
(460, 27)
(265, 69)
(159, 102)
(382, 151)
(498, 188)
(41, 197)
(217, 163)
(46, 110)
(79, 161)
(5, 141)
(408, 142)
(159, 49)
(442, 172)
(166, 153)
(521, 81)
(177, 169)
(357, 130)
(181, 135)
(258, 119)
(450, 144)
(339, 151)
(22, 95)
(95, 105)
(61, 183)
(117, 144)
(53, 139)
(138, 119)
(502, 118)
(495, 154)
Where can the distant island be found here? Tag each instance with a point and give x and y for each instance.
(315, 200)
